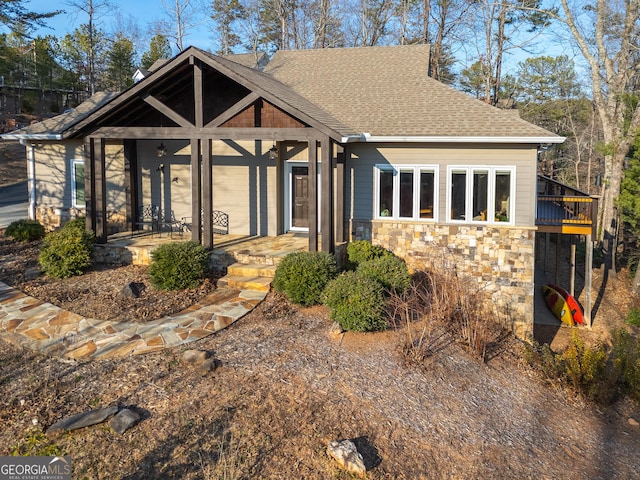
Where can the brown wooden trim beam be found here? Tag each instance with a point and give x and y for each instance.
(196, 195)
(233, 110)
(340, 195)
(198, 94)
(313, 195)
(189, 56)
(130, 182)
(89, 185)
(101, 190)
(168, 133)
(167, 112)
(326, 208)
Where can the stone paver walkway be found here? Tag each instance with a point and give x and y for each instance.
(31, 323)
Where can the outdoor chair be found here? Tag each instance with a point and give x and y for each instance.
(148, 216)
(169, 220)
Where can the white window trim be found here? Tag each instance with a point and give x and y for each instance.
(492, 170)
(74, 199)
(416, 169)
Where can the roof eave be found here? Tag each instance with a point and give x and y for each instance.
(31, 136)
(367, 138)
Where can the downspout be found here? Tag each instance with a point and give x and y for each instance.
(31, 161)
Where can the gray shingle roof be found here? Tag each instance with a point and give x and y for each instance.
(385, 91)
(381, 91)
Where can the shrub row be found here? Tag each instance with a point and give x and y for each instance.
(356, 297)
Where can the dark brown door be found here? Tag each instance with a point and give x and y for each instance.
(299, 197)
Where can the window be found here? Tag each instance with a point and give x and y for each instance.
(406, 192)
(77, 183)
(481, 194)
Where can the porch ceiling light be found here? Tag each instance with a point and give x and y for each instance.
(273, 152)
(161, 150)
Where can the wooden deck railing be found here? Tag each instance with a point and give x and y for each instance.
(565, 209)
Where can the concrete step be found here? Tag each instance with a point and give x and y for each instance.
(251, 270)
(261, 284)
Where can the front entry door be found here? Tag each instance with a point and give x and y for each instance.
(299, 197)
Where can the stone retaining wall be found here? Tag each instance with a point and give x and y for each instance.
(52, 218)
(500, 259)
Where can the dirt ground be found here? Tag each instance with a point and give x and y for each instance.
(286, 386)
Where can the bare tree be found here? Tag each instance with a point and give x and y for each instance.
(501, 26)
(607, 35)
(94, 9)
(183, 15)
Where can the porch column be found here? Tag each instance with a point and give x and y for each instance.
(328, 243)
(588, 279)
(89, 185)
(207, 195)
(313, 195)
(101, 191)
(340, 195)
(196, 196)
(131, 181)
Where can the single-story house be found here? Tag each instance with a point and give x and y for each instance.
(341, 143)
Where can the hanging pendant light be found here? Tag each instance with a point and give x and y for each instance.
(273, 152)
(161, 150)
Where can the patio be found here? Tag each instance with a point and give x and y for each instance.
(123, 248)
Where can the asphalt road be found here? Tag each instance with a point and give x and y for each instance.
(14, 203)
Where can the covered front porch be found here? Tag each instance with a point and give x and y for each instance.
(203, 136)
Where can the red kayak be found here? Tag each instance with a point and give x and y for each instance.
(574, 306)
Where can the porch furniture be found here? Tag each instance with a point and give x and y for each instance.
(148, 216)
(169, 220)
(219, 219)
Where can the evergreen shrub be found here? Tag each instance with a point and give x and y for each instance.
(390, 271)
(25, 230)
(178, 265)
(67, 251)
(302, 276)
(356, 302)
(362, 251)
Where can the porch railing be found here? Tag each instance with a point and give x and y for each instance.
(565, 209)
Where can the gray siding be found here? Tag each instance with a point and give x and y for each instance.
(360, 172)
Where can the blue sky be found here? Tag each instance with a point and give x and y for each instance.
(143, 12)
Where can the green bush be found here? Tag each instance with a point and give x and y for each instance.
(67, 251)
(362, 251)
(633, 317)
(626, 361)
(390, 271)
(597, 373)
(585, 367)
(302, 276)
(25, 230)
(356, 302)
(179, 265)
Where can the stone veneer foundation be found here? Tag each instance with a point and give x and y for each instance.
(52, 218)
(501, 259)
